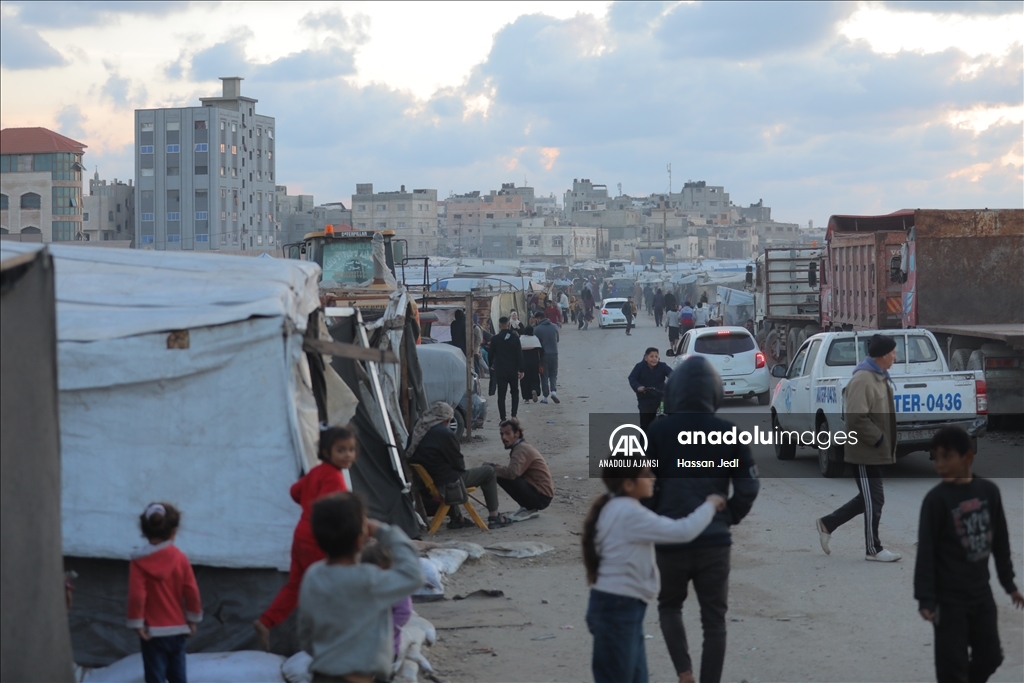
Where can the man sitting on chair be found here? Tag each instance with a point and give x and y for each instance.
(526, 478)
(433, 445)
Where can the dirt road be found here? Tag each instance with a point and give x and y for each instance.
(795, 614)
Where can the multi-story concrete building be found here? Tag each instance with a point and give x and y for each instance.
(585, 196)
(108, 212)
(483, 225)
(411, 215)
(542, 240)
(546, 206)
(294, 213)
(702, 201)
(40, 185)
(205, 176)
(529, 200)
(332, 213)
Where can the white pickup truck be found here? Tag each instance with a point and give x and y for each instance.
(809, 395)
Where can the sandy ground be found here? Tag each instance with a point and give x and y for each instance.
(795, 614)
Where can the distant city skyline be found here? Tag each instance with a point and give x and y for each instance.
(817, 109)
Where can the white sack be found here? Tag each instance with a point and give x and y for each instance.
(447, 560)
(520, 549)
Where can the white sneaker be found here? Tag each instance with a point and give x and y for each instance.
(823, 536)
(883, 556)
(554, 397)
(544, 400)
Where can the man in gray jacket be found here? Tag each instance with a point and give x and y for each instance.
(547, 332)
(871, 413)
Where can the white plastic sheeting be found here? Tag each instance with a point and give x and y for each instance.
(111, 293)
(217, 417)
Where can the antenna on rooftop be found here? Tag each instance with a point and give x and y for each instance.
(669, 169)
(620, 189)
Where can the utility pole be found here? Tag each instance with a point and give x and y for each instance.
(664, 229)
(669, 167)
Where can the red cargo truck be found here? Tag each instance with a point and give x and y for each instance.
(957, 273)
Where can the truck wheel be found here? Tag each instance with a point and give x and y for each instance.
(774, 348)
(782, 451)
(976, 361)
(958, 361)
(460, 421)
(830, 460)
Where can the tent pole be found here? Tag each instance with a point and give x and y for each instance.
(470, 333)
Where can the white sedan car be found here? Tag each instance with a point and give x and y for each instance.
(735, 355)
(610, 313)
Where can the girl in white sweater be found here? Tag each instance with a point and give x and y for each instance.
(618, 551)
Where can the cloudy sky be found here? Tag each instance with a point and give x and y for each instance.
(817, 108)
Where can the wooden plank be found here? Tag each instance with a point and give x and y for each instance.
(334, 348)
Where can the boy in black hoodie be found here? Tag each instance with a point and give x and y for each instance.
(962, 523)
(692, 395)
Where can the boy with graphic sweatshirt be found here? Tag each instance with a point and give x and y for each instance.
(962, 524)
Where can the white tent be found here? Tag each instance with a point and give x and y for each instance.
(182, 378)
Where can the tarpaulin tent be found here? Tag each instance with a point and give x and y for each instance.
(36, 645)
(183, 378)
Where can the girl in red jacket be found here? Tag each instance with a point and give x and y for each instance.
(160, 579)
(338, 452)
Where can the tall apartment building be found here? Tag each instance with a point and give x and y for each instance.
(585, 196)
(702, 201)
(40, 185)
(411, 215)
(205, 176)
(108, 212)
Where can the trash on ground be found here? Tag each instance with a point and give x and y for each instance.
(475, 550)
(568, 627)
(482, 593)
(519, 549)
(447, 560)
(482, 651)
(432, 586)
(548, 636)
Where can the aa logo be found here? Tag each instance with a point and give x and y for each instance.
(629, 441)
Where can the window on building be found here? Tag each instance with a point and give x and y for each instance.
(234, 215)
(173, 239)
(259, 132)
(202, 238)
(234, 149)
(534, 241)
(110, 216)
(147, 217)
(202, 170)
(556, 241)
(490, 215)
(381, 225)
(270, 155)
(85, 216)
(63, 231)
(234, 127)
(145, 149)
(146, 127)
(222, 124)
(200, 125)
(4, 201)
(270, 133)
(362, 207)
(174, 125)
(30, 200)
(457, 216)
(401, 224)
(202, 147)
(173, 149)
(202, 215)
(174, 215)
(234, 172)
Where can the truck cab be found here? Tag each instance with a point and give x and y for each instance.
(345, 257)
(927, 395)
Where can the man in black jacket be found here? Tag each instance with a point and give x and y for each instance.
(693, 394)
(506, 365)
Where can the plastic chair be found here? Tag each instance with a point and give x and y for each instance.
(442, 510)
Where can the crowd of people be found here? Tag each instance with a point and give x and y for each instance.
(647, 538)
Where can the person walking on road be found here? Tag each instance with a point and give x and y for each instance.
(659, 307)
(618, 543)
(871, 413)
(507, 365)
(648, 383)
(649, 299)
(685, 318)
(629, 310)
(563, 303)
(962, 525)
(547, 332)
(532, 360)
(638, 292)
(693, 394)
(701, 315)
(588, 309)
(672, 323)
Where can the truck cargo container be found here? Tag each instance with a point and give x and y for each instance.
(962, 278)
(856, 290)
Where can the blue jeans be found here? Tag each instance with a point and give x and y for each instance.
(163, 658)
(550, 376)
(617, 624)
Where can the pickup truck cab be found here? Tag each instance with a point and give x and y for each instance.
(810, 394)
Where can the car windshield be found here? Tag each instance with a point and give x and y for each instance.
(724, 344)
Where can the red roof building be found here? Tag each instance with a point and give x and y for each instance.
(37, 141)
